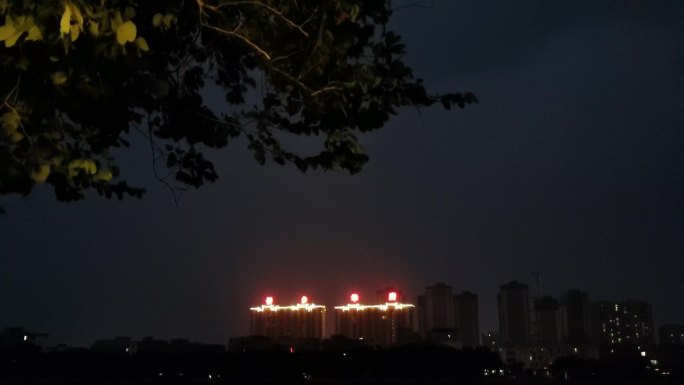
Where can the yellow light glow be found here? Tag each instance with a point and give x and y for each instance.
(383, 307)
(297, 307)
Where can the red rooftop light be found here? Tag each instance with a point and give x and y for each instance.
(269, 301)
(354, 298)
(304, 300)
(392, 296)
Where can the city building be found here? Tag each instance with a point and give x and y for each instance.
(436, 314)
(447, 318)
(118, 345)
(383, 325)
(627, 323)
(466, 318)
(575, 315)
(671, 334)
(491, 340)
(514, 315)
(301, 321)
(547, 321)
(13, 337)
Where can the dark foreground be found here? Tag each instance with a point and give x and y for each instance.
(502, 381)
(400, 366)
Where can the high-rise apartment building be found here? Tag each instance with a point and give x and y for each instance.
(491, 340)
(627, 323)
(466, 318)
(671, 334)
(514, 316)
(547, 321)
(575, 318)
(377, 325)
(303, 320)
(436, 310)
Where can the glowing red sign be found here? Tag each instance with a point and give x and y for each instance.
(269, 301)
(304, 300)
(354, 298)
(392, 296)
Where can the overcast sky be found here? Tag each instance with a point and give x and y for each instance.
(572, 165)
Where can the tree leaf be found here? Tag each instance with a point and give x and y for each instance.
(40, 175)
(94, 28)
(34, 34)
(78, 17)
(59, 78)
(10, 121)
(141, 43)
(75, 31)
(157, 19)
(168, 19)
(126, 32)
(104, 175)
(65, 22)
(7, 30)
(12, 40)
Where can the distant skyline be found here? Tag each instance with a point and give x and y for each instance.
(571, 165)
(365, 299)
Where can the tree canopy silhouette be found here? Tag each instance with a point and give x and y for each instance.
(77, 75)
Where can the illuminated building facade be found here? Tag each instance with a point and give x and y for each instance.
(627, 323)
(301, 321)
(377, 325)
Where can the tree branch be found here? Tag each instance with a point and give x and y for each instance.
(7, 104)
(268, 7)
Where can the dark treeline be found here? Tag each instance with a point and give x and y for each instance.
(399, 363)
(420, 364)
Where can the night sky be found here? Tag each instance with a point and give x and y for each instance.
(572, 165)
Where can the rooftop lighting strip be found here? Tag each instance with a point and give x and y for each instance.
(297, 307)
(385, 307)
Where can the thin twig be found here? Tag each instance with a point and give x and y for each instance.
(153, 144)
(7, 104)
(268, 7)
(241, 37)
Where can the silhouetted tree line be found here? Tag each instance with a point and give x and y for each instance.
(278, 364)
(27, 364)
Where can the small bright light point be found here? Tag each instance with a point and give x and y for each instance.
(269, 301)
(392, 296)
(643, 354)
(25, 338)
(304, 300)
(354, 298)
